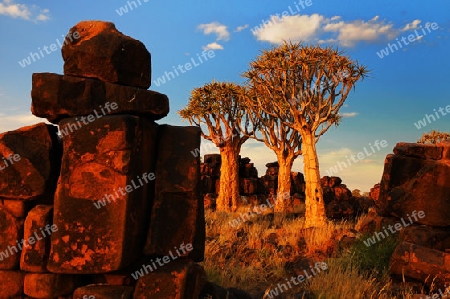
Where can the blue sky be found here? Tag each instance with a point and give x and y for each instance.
(403, 86)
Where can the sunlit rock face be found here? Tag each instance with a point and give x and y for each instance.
(96, 49)
(79, 206)
(416, 177)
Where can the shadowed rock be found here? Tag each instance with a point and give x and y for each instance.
(104, 292)
(177, 199)
(178, 279)
(56, 97)
(38, 227)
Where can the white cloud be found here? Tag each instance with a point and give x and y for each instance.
(411, 26)
(320, 29)
(293, 28)
(212, 46)
(356, 31)
(215, 27)
(240, 28)
(22, 11)
(349, 114)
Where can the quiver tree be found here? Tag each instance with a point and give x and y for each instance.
(283, 140)
(304, 86)
(219, 107)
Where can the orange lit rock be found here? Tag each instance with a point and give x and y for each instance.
(49, 285)
(104, 53)
(105, 160)
(180, 279)
(11, 234)
(410, 183)
(18, 208)
(29, 162)
(37, 233)
(56, 97)
(421, 263)
(11, 284)
(178, 213)
(104, 292)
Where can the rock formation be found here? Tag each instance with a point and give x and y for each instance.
(110, 208)
(338, 198)
(415, 182)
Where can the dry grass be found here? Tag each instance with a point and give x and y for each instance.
(345, 280)
(243, 257)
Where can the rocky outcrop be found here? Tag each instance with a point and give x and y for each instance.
(110, 207)
(339, 202)
(416, 177)
(374, 193)
(415, 191)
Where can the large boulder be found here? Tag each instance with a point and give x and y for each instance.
(177, 200)
(103, 195)
(427, 265)
(57, 97)
(96, 49)
(29, 163)
(417, 178)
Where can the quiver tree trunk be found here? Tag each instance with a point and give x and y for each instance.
(283, 202)
(315, 208)
(229, 180)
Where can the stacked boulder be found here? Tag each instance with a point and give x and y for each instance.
(338, 199)
(416, 180)
(340, 204)
(210, 173)
(269, 182)
(111, 207)
(413, 205)
(248, 177)
(29, 169)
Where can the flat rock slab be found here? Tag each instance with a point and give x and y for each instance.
(37, 232)
(103, 196)
(427, 236)
(98, 50)
(43, 286)
(180, 279)
(420, 151)
(177, 214)
(104, 292)
(424, 264)
(57, 97)
(29, 162)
